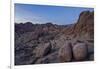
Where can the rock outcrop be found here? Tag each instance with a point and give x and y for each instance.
(51, 43)
(80, 51)
(65, 52)
(42, 50)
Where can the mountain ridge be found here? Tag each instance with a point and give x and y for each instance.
(52, 43)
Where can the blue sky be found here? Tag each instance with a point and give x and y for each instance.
(43, 13)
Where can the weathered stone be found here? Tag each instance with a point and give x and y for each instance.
(65, 53)
(80, 51)
(51, 58)
(43, 50)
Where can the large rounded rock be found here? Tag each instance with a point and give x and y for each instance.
(80, 51)
(65, 53)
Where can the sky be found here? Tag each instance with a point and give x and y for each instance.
(41, 14)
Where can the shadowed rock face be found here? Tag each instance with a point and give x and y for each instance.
(51, 43)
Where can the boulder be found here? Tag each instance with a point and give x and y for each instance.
(65, 52)
(80, 51)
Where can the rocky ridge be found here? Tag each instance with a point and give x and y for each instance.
(51, 43)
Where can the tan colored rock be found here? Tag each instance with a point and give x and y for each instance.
(65, 53)
(80, 51)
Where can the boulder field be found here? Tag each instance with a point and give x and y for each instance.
(52, 43)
